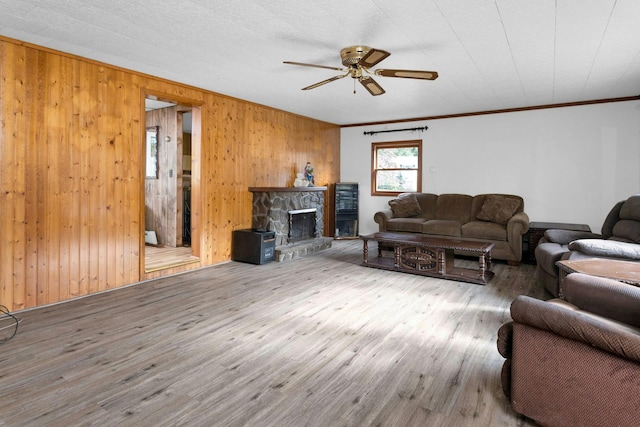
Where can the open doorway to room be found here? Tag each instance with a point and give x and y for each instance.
(171, 240)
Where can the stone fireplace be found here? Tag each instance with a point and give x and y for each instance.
(279, 208)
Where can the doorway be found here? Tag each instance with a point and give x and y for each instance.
(172, 142)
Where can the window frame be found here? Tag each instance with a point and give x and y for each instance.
(375, 146)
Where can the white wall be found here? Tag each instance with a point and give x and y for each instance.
(570, 164)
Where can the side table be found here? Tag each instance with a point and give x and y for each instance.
(536, 232)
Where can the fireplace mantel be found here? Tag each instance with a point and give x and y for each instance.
(284, 189)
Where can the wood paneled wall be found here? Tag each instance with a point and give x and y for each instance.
(72, 181)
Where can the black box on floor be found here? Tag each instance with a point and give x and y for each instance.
(253, 246)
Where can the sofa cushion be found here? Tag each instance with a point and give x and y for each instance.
(631, 208)
(612, 217)
(484, 230)
(606, 248)
(627, 230)
(427, 202)
(498, 209)
(575, 256)
(454, 207)
(413, 225)
(405, 206)
(547, 254)
(442, 227)
(605, 297)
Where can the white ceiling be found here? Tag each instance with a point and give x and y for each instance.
(490, 54)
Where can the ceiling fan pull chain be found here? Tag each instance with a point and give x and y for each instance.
(354, 86)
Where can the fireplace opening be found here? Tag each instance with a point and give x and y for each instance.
(302, 225)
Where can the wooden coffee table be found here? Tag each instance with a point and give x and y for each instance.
(622, 271)
(429, 256)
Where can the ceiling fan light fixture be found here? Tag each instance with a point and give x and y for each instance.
(353, 54)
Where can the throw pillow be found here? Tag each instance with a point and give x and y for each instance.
(405, 206)
(607, 248)
(498, 209)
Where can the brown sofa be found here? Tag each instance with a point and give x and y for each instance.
(496, 218)
(620, 239)
(575, 362)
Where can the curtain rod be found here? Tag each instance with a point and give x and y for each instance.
(373, 132)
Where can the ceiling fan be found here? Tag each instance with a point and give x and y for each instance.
(358, 60)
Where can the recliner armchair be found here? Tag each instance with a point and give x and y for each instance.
(619, 239)
(575, 362)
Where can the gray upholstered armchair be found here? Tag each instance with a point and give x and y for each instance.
(620, 239)
(575, 362)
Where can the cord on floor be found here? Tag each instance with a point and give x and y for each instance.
(13, 323)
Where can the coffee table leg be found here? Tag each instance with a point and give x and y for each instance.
(561, 276)
(442, 261)
(365, 252)
(484, 263)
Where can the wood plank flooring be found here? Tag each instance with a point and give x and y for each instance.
(158, 258)
(319, 341)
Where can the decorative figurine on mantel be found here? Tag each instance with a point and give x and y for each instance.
(308, 169)
(300, 181)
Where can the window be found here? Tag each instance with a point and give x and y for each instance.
(396, 167)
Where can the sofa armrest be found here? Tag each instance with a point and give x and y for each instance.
(607, 248)
(564, 237)
(566, 320)
(505, 339)
(381, 217)
(604, 297)
(516, 227)
(518, 224)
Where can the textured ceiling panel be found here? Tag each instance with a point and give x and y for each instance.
(490, 54)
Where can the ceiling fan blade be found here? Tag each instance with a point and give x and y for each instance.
(408, 74)
(374, 88)
(315, 85)
(313, 65)
(373, 57)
